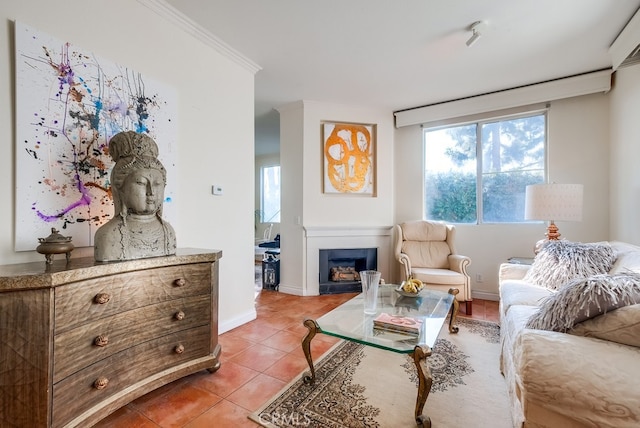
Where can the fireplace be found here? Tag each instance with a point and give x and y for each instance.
(348, 260)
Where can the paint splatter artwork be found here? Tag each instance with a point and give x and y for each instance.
(69, 103)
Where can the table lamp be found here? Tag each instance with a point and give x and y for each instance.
(553, 202)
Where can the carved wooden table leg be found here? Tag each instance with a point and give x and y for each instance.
(454, 311)
(425, 381)
(309, 377)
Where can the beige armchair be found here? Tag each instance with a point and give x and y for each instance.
(426, 251)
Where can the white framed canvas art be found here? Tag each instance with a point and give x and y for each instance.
(69, 103)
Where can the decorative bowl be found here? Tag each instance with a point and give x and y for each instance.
(401, 292)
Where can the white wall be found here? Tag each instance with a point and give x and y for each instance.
(625, 156)
(302, 196)
(292, 150)
(577, 152)
(339, 209)
(215, 122)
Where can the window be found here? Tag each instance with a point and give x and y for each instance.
(478, 172)
(270, 194)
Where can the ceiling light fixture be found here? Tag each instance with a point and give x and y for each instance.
(475, 29)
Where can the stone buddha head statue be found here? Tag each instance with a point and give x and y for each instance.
(138, 180)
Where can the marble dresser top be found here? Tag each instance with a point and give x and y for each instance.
(33, 275)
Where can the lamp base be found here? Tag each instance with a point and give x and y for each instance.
(551, 235)
(552, 232)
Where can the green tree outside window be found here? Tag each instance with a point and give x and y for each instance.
(478, 172)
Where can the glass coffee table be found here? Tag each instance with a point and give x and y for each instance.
(349, 322)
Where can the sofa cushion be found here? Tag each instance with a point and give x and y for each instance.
(511, 325)
(561, 261)
(586, 298)
(621, 326)
(518, 292)
(512, 271)
(627, 257)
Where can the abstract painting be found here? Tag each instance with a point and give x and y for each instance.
(69, 103)
(349, 161)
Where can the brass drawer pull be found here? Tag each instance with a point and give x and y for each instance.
(179, 349)
(101, 340)
(101, 383)
(179, 315)
(180, 282)
(101, 298)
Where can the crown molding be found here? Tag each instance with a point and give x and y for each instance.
(627, 43)
(171, 14)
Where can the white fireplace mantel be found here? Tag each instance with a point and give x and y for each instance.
(329, 231)
(331, 237)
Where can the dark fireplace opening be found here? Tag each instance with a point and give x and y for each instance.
(338, 268)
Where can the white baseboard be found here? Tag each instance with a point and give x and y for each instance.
(296, 291)
(484, 295)
(237, 321)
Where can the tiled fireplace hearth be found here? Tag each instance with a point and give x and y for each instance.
(349, 260)
(370, 239)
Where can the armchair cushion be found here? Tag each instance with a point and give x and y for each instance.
(438, 276)
(426, 251)
(424, 231)
(425, 243)
(427, 254)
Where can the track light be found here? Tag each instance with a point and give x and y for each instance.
(475, 29)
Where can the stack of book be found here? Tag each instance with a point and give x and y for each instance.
(398, 324)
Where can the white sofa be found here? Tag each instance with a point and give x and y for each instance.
(579, 378)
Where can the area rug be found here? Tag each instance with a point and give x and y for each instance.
(361, 386)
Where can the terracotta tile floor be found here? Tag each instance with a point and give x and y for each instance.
(258, 359)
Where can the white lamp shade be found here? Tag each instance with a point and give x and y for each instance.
(555, 202)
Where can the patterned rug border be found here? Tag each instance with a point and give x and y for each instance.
(324, 369)
(297, 381)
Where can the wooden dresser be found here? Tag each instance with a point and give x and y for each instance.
(80, 340)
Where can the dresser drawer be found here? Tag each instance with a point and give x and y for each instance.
(105, 296)
(81, 391)
(83, 346)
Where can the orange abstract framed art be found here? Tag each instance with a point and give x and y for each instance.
(349, 158)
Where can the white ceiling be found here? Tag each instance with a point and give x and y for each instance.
(399, 54)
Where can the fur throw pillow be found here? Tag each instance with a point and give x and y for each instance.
(561, 261)
(586, 298)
